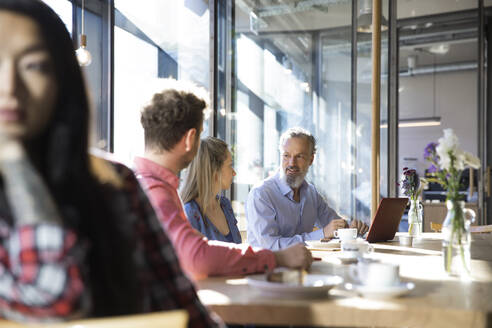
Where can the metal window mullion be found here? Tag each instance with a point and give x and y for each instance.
(231, 82)
(107, 92)
(213, 69)
(393, 109)
(481, 114)
(353, 114)
(75, 28)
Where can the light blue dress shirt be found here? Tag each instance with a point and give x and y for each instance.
(207, 228)
(275, 220)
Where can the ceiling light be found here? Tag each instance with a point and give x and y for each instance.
(364, 20)
(439, 49)
(415, 122)
(418, 123)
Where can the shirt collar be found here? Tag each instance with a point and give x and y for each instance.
(148, 168)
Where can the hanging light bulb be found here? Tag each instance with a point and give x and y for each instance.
(83, 55)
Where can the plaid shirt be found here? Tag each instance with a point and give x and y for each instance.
(41, 265)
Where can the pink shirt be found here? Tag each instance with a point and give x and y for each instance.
(198, 256)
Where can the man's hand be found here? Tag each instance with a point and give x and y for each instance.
(296, 256)
(331, 227)
(360, 226)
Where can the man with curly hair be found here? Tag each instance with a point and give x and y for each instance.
(172, 125)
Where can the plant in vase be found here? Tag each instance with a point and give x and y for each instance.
(448, 162)
(411, 186)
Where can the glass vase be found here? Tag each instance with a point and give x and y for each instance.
(415, 218)
(456, 239)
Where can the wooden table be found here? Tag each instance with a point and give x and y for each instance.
(436, 301)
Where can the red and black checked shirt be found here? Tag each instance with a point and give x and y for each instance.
(41, 265)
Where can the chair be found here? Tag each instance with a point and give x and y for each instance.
(165, 319)
(435, 227)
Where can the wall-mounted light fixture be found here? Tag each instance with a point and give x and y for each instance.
(83, 55)
(364, 20)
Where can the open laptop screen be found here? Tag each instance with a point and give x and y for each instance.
(387, 219)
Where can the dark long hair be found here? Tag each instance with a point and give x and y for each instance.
(60, 154)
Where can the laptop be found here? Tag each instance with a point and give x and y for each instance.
(387, 219)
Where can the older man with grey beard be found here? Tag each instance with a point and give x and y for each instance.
(284, 209)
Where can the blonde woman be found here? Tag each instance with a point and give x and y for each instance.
(209, 173)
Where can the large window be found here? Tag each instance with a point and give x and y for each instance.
(64, 9)
(157, 40)
(96, 29)
(278, 64)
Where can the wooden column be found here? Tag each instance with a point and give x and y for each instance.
(376, 103)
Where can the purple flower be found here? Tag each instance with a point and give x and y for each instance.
(430, 151)
(432, 169)
(430, 154)
(410, 182)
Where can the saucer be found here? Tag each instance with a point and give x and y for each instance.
(347, 258)
(314, 285)
(381, 292)
(333, 244)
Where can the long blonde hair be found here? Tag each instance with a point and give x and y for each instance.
(202, 172)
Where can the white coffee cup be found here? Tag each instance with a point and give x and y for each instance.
(378, 274)
(346, 234)
(356, 248)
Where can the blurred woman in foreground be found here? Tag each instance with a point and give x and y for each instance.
(78, 237)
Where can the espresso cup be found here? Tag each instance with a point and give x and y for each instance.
(377, 274)
(356, 248)
(346, 234)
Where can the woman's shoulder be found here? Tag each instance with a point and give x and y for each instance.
(193, 214)
(192, 207)
(226, 205)
(191, 204)
(225, 201)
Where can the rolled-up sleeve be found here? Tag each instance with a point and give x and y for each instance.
(263, 226)
(40, 273)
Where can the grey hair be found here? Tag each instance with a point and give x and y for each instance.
(298, 132)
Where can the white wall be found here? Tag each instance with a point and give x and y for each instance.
(454, 100)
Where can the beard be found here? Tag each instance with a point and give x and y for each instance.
(293, 181)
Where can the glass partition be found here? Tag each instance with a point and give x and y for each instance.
(157, 40)
(438, 88)
(293, 67)
(363, 121)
